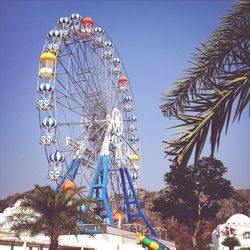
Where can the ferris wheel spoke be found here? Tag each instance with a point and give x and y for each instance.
(114, 183)
(69, 124)
(128, 144)
(86, 178)
(67, 105)
(69, 75)
(72, 97)
(69, 108)
(83, 70)
(97, 84)
(98, 64)
(89, 164)
(116, 100)
(96, 132)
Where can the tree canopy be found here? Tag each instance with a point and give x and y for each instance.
(215, 90)
(193, 193)
(231, 242)
(45, 211)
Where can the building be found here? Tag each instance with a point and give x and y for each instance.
(109, 239)
(237, 225)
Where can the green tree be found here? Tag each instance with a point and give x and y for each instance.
(48, 212)
(193, 193)
(231, 242)
(215, 91)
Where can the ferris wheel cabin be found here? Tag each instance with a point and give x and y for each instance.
(47, 61)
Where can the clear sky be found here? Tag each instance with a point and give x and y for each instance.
(154, 38)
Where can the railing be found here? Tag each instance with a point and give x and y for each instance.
(134, 228)
(92, 229)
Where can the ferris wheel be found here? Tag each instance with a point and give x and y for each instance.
(87, 118)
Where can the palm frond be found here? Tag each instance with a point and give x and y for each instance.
(216, 89)
(49, 212)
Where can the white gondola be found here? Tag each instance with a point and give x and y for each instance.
(51, 175)
(54, 34)
(64, 20)
(134, 176)
(58, 174)
(134, 143)
(54, 174)
(116, 70)
(132, 123)
(75, 24)
(46, 87)
(49, 122)
(75, 16)
(108, 50)
(128, 104)
(64, 24)
(54, 39)
(57, 156)
(130, 193)
(43, 104)
(98, 37)
(134, 139)
(49, 125)
(47, 140)
(132, 118)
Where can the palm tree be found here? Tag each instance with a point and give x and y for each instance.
(215, 91)
(231, 242)
(48, 212)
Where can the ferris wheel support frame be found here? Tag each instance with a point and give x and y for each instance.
(78, 81)
(133, 201)
(101, 171)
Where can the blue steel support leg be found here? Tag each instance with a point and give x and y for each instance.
(104, 189)
(125, 192)
(93, 183)
(95, 178)
(74, 170)
(136, 202)
(102, 165)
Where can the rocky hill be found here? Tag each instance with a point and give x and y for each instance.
(10, 200)
(239, 203)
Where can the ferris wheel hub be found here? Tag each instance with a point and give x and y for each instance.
(117, 122)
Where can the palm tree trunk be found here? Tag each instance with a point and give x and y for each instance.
(197, 227)
(54, 243)
(194, 239)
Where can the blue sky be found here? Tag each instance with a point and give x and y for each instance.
(154, 38)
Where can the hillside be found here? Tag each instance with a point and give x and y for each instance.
(240, 203)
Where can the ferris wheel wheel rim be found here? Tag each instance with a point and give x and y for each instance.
(118, 124)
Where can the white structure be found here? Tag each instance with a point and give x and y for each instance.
(237, 225)
(112, 239)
